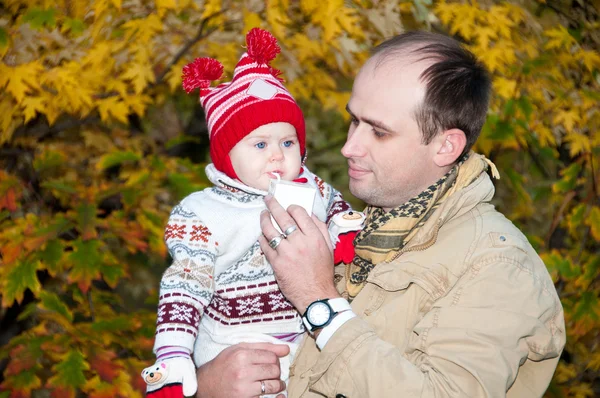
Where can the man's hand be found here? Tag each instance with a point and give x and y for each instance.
(303, 262)
(238, 371)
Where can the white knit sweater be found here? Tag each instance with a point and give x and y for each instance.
(220, 290)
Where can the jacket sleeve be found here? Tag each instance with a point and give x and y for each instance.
(186, 287)
(471, 343)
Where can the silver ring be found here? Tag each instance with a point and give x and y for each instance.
(273, 243)
(263, 388)
(289, 231)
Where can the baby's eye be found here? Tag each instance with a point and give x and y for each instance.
(288, 143)
(261, 145)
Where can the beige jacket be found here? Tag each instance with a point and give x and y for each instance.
(467, 310)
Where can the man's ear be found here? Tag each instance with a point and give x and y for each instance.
(450, 145)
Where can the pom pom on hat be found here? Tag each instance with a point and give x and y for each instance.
(262, 46)
(200, 73)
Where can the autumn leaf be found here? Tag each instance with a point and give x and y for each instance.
(85, 261)
(69, 372)
(104, 364)
(21, 276)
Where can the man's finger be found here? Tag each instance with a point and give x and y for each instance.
(280, 350)
(282, 218)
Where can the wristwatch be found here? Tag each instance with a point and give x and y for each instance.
(321, 312)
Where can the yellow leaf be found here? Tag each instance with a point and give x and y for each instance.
(567, 118)
(116, 4)
(559, 38)
(31, 105)
(277, 17)
(466, 22)
(590, 58)
(22, 78)
(143, 29)
(251, 20)
(484, 35)
(578, 143)
(445, 12)
(113, 107)
(211, 7)
(162, 6)
(505, 87)
(140, 74)
(137, 103)
(499, 19)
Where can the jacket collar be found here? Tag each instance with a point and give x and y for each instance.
(457, 204)
(222, 180)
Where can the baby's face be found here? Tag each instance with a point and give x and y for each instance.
(272, 148)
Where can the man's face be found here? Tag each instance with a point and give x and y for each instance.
(272, 148)
(387, 162)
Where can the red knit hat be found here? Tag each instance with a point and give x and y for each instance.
(254, 97)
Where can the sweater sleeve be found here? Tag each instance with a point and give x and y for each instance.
(186, 287)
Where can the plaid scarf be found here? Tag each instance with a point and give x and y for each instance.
(386, 234)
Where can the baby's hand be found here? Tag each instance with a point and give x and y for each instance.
(171, 378)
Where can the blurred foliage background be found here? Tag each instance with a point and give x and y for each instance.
(98, 141)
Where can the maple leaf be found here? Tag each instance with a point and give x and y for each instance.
(113, 107)
(578, 143)
(590, 58)
(567, 118)
(104, 364)
(86, 261)
(51, 302)
(86, 220)
(20, 277)
(32, 105)
(559, 38)
(69, 372)
(22, 79)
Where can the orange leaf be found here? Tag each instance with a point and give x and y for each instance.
(63, 392)
(103, 363)
(9, 200)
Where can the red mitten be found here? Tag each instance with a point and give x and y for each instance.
(344, 249)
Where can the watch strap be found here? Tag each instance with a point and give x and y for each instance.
(328, 331)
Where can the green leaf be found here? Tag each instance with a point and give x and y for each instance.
(3, 38)
(86, 220)
(116, 324)
(556, 262)
(182, 139)
(39, 18)
(182, 185)
(569, 180)
(576, 218)
(51, 256)
(75, 26)
(526, 107)
(21, 277)
(594, 222)
(48, 160)
(116, 158)
(56, 185)
(52, 302)
(503, 131)
(69, 372)
(86, 260)
(587, 306)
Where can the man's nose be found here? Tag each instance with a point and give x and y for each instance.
(354, 146)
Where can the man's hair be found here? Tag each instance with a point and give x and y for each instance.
(457, 85)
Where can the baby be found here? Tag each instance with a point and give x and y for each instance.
(220, 290)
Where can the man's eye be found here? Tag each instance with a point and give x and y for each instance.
(353, 120)
(261, 145)
(288, 143)
(378, 134)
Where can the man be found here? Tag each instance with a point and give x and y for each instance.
(448, 299)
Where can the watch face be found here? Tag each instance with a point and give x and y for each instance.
(318, 314)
